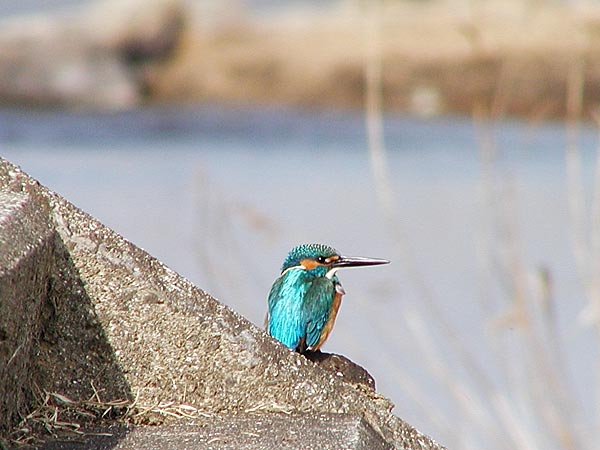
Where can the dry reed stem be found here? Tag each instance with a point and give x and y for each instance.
(585, 233)
(575, 189)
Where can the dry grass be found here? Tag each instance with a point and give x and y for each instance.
(58, 416)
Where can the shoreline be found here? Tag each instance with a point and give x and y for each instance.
(491, 60)
(433, 63)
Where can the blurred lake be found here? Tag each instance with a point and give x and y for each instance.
(221, 193)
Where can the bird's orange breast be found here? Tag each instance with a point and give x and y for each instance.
(337, 301)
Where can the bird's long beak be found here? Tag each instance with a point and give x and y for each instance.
(357, 261)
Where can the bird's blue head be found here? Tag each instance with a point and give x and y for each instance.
(302, 254)
(324, 259)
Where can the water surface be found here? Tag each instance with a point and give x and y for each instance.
(221, 193)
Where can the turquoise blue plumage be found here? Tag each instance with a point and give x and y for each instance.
(305, 299)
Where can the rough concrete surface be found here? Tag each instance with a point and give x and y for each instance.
(275, 431)
(26, 240)
(111, 334)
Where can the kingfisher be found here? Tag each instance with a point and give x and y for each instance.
(305, 299)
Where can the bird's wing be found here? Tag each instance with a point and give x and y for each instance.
(317, 309)
(286, 321)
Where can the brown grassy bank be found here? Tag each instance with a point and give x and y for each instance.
(504, 57)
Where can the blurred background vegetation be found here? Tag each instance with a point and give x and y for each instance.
(457, 138)
(509, 57)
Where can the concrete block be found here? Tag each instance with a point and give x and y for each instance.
(113, 321)
(26, 260)
(247, 431)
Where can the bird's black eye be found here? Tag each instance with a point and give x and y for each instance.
(321, 259)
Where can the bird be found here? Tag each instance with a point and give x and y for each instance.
(304, 300)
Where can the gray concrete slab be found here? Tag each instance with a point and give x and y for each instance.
(249, 431)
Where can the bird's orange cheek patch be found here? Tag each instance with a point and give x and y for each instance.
(309, 264)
